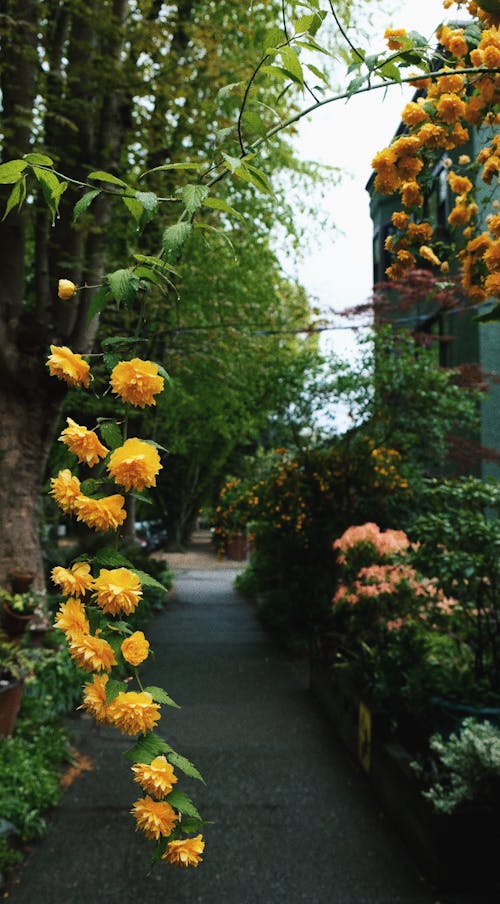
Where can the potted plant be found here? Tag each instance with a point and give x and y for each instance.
(17, 611)
(15, 663)
(21, 579)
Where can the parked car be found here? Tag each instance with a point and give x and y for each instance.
(151, 535)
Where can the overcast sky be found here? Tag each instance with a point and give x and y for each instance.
(338, 273)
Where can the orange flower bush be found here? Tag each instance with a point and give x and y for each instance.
(439, 121)
(106, 589)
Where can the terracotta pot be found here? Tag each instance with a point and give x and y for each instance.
(10, 701)
(13, 622)
(21, 580)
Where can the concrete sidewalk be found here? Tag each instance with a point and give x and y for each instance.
(293, 820)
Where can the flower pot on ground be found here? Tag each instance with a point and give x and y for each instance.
(237, 547)
(18, 610)
(14, 666)
(21, 579)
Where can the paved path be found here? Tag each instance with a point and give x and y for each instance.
(292, 818)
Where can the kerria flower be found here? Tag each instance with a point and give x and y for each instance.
(68, 366)
(65, 289)
(156, 818)
(94, 698)
(156, 777)
(83, 443)
(65, 488)
(74, 581)
(101, 514)
(118, 590)
(135, 649)
(135, 464)
(136, 382)
(185, 852)
(72, 619)
(134, 712)
(91, 653)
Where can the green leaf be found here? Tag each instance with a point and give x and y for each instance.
(134, 207)
(193, 196)
(226, 90)
(156, 262)
(161, 696)
(317, 72)
(84, 203)
(123, 285)
(184, 765)
(111, 558)
(355, 85)
(38, 159)
(147, 748)
(98, 302)
(390, 71)
(191, 825)
(311, 44)
(121, 627)
(113, 688)
(148, 581)
(173, 166)
(16, 196)
(11, 171)
(232, 163)
(311, 23)
(254, 123)
(222, 134)
(174, 237)
(259, 179)
(90, 486)
(218, 233)
(220, 204)
(101, 176)
(52, 189)
(181, 802)
(154, 276)
(111, 434)
(149, 201)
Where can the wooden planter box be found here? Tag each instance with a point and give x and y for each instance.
(237, 548)
(456, 852)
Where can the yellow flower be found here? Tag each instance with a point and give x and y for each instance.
(185, 852)
(460, 185)
(156, 777)
(94, 698)
(133, 712)
(83, 443)
(156, 818)
(101, 514)
(73, 581)
(428, 255)
(135, 464)
(135, 649)
(72, 619)
(395, 38)
(411, 194)
(136, 382)
(65, 488)
(68, 366)
(117, 590)
(93, 654)
(450, 108)
(65, 289)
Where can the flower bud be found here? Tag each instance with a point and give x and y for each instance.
(66, 289)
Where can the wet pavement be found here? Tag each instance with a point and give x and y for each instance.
(292, 819)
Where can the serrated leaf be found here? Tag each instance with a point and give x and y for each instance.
(182, 802)
(123, 285)
(98, 302)
(173, 166)
(111, 434)
(120, 627)
(102, 176)
(232, 163)
(182, 763)
(355, 85)
(259, 179)
(161, 696)
(193, 196)
(111, 558)
(147, 748)
(110, 360)
(156, 262)
(174, 237)
(149, 201)
(191, 825)
(11, 171)
(16, 196)
(390, 70)
(113, 688)
(52, 189)
(148, 581)
(226, 90)
(317, 72)
(279, 71)
(134, 207)
(220, 204)
(153, 276)
(84, 203)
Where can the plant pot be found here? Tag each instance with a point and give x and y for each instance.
(14, 623)
(21, 580)
(10, 701)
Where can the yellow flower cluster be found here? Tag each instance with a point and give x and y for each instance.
(449, 103)
(91, 616)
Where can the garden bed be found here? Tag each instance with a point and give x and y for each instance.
(455, 852)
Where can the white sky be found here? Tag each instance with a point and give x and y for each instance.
(338, 273)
